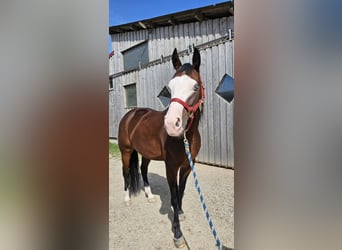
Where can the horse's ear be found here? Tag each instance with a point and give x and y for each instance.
(175, 60)
(196, 59)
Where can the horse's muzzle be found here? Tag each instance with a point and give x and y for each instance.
(173, 126)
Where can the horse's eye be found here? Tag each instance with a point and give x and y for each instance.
(196, 86)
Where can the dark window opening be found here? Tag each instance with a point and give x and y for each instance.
(164, 97)
(131, 95)
(136, 55)
(110, 83)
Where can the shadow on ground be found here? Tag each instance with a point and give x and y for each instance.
(159, 186)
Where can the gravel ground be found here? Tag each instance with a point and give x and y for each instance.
(144, 225)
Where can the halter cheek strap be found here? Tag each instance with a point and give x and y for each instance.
(191, 109)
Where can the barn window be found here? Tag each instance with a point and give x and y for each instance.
(135, 55)
(131, 95)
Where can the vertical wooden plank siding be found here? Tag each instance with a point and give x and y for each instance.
(163, 39)
(215, 112)
(230, 70)
(216, 125)
(223, 107)
(198, 37)
(209, 103)
(203, 127)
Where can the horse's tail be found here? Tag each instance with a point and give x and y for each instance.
(134, 173)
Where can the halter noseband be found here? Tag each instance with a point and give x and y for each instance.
(191, 109)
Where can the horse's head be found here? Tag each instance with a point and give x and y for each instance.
(187, 94)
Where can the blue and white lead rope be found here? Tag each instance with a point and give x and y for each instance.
(206, 212)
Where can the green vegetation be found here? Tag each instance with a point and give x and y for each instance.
(114, 149)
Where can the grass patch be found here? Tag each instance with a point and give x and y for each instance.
(114, 149)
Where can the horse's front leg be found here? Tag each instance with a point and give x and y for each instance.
(172, 180)
(183, 176)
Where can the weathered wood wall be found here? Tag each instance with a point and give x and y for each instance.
(162, 40)
(216, 126)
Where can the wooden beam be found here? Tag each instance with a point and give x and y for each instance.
(133, 27)
(172, 21)
(199, 16)
(150, 25)
(142, 25)
(231, 10)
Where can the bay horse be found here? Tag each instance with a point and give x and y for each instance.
(158, 135)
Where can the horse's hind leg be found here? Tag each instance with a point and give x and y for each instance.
(125, 156)
(130, 172)
(144, 169)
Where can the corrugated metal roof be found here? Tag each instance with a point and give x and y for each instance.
(193, 15)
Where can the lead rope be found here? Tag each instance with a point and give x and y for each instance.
(206, 212)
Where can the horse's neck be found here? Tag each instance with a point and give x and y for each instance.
(194, 126)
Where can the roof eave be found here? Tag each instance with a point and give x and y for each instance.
(192, 15)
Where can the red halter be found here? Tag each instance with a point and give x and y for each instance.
(191, 109)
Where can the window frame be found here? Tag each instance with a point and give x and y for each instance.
(137, 64)
(128, 105)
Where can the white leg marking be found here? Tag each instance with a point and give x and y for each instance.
(150, 196)
(127, 198)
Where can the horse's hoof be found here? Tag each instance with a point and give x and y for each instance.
(151, 200)
(181, 217)
(127, 203)
(149, 195)
(179, 243)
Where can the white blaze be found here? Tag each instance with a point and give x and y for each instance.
(181, 87)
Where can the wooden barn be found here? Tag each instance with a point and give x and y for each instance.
(140, 67)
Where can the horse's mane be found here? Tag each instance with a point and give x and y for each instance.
(187, 67)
